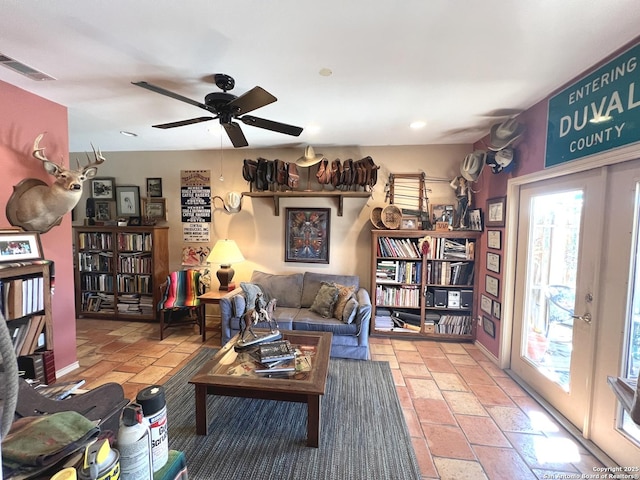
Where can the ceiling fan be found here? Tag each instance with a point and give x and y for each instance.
(227, 107)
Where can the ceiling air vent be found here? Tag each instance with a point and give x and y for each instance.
(23, 69)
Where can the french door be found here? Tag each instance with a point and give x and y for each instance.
(577, 281)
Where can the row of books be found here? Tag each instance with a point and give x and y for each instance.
(98, 302)
(398, 271)
(95, 241)
(135, 263)
(398, 247)
(100, 281)
(407, 296)
(454, 324)
(21, 296)
(27, 334)
(134, 283)
(135, 241)
(450, 248)
(449, 273)
(95, 262)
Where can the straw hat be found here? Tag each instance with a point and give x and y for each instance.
(504, 134)
(472, 165)
(310, 158)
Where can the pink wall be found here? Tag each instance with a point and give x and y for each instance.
(23, 117)
(530, 152)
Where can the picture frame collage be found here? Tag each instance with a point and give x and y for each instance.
(114, 204)
(490, 304)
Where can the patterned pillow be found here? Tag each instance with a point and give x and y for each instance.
(325, 301)
(344, 294)
(350, 310)
(251, 291)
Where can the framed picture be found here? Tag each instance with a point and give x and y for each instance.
(488, 326)
(493, 262)
(475, 220)
(442, 213)
(104, 210)
(154, 208)
(307, 235)
(103, 188)
(410, 223)
(494, 239)
(154, 187)
(16, 246)
(496, 309)
(128, 201)
(496, 209)
(485, 303)
(134, 222)
(492, 285)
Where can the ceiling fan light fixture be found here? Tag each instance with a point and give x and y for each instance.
(325, 72)
(128, 134)
(418, 124)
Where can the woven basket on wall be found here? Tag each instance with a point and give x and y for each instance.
(391, 216)
(376, 218)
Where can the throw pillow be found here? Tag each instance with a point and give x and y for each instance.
(325, 301)
(251, 291)
(344, 294)
(350, 310)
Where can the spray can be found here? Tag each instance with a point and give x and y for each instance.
(154, 409)
(101, 462)
(134, 445)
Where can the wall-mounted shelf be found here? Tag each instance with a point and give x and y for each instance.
(337, 194)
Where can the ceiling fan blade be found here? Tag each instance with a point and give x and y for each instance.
(235, 134)
(182, 123)
(253, 99)
(271, 125)
(168, 93)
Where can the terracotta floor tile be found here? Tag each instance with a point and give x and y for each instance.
(510, 387)
(545, 453)
(511, 419)
(447, 441)
(393, 362)
(453, 348)
(423, 388)
(433, 411)
(408, 356)
(502, 463)
(430, 350)
(449, 381)
(150, 375)
(417, 370)
(398, 378)
(474, 375)
(482, 431)
(403, 345)
(492, 369)
(464, 403)
(413, 424)
(100, 368)
(454, 469)
(457, 359)
(425, 460)
(171, 359)
(491, 395)
(404, 396)
(117, 377)
(381, 349)
(439, 365)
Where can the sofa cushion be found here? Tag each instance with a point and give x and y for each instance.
(308, 321)
(325, 302)
(350, 310)
(251, 291)
(312, 282)
(344, 294)
(287, 289)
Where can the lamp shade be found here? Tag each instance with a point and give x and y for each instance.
(225, 252)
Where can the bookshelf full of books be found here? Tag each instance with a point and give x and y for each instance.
(423, 283)
(25, 302)
(119, 271)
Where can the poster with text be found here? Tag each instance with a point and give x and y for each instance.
(196, 232)
(195, 196)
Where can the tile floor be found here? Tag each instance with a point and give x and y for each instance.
(466, 417)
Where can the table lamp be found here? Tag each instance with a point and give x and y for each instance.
(225, 252)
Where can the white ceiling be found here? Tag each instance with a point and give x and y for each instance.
(450, 63)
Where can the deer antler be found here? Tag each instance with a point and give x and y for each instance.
(99, 159)
(38, 152)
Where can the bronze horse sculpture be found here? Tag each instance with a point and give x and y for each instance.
(262, 312)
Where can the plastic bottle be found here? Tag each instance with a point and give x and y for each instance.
(134, 444)
(154, 409)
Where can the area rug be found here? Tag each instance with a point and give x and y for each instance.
(363, 432)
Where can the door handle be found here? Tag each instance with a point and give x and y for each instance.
(586, 318)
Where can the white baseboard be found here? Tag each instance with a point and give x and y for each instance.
(68, 369)
(489, 355)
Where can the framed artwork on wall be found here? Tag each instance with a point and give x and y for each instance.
(475, 220)
(496, 210)
(103, 188)
(16, 246)
(489, 326)
(155, 208)
(493, 262)
(154, 187)
(492, 285)
(307, 235)
(494, 239)
(128, 201)
(497, 307)
(409, 223)
(104, 210)
(485, 303)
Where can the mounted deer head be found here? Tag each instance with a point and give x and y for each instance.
(36, 206)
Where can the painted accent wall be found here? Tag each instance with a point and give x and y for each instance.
(23, 116)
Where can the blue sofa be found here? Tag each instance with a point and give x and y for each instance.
(295, 294)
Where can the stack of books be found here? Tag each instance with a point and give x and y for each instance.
(277, 356)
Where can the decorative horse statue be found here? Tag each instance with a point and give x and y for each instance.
(260, 313)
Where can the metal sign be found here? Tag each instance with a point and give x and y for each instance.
(597, 113)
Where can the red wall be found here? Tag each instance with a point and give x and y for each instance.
(23, 116)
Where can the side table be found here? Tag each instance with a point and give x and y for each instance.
(212, 297)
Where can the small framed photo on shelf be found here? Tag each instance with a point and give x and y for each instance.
(154, 208)
(496, 211)
(493, 262)
(442, 213)
(103, 188)
(128, 201)
(307, 235)
(496, 309)
(494, 239)
(492, 285)
(409, 223)
(17, 246)
(489, 326)
(475, 220)
(154, 187)
(485, 303)
(104, 210)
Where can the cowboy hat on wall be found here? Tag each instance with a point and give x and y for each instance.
(310, 158)
(472, 165)
(504, 134)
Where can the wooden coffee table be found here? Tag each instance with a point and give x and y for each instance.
(229, 373)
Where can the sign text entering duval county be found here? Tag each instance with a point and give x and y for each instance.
(597, 113)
